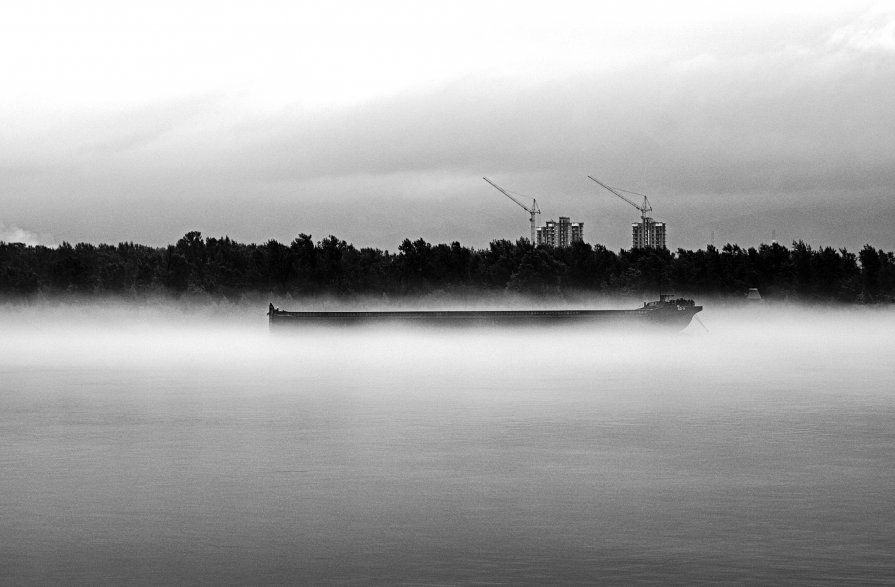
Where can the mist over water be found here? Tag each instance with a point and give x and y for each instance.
(155, 446)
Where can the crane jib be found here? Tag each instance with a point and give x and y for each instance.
(644, 209)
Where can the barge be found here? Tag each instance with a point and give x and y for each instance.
(669, 312)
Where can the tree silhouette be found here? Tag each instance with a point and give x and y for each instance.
(224, 268)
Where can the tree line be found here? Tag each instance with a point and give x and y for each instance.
(223, 268)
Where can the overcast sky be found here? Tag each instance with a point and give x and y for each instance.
(376, 121)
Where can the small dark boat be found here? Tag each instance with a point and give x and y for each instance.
(666, 311)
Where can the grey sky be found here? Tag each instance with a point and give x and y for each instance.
(378, 123)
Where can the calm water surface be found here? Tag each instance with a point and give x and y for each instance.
(145, 451)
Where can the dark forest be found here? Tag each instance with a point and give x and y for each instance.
(225, 269)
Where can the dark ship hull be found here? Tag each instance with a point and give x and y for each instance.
(665, 312)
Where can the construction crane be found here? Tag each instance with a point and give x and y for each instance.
(532, 211)
(645, 209)
(647, 235)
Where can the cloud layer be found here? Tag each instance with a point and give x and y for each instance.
(719, 129)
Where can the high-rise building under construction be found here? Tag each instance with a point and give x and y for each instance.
(648, 233)
(561, 233)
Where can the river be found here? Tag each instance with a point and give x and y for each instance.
(155, 447)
